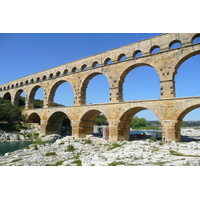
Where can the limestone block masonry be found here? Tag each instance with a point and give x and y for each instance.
(169, 109)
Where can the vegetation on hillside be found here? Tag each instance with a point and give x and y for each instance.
(190, 124)
(10, 116)
(37, 103)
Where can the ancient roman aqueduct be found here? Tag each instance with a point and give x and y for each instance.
(169, 109)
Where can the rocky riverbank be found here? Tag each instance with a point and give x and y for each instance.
(26, 136)
(190, 132)
(94, 151)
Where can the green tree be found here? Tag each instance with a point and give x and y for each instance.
(8, 112)
(138, 122)
(101, 120)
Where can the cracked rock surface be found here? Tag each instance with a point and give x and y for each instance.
(94, 151)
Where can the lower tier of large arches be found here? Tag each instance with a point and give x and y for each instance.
(81, 119)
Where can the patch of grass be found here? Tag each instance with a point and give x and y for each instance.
(35, 146)
(116, 163)
(175, 153)
(153, 139)
(155, 149)
(50, 154)
(77, 162)
(70, 148)
(16, 160)
(33, 135)
(161, 142)
(61, 143)
(88, 141)
(59, 163)
(114, 145)
(137, 158)
(159, 163)
(77, 156)
(131, 164)
(26, 147)
(39, 141)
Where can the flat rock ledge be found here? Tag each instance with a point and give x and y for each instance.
(94, 151)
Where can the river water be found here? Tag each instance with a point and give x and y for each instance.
(13, 146)
(142, 131)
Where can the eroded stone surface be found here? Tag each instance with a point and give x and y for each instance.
(70, 151)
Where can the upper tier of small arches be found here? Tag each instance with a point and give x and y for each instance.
(107, 60)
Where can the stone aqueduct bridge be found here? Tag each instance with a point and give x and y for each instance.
(169, 109)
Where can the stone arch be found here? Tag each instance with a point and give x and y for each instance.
(95, 64)
(187, 78)
(177, 42)
(85, 85)
(74, 70)
(154, 49)
(121, 57)
(84, 67)
(65, 72)
(87, 122)
(7, 96)
(17, 97)
(55, 123)
(187, 110)
(26, 82)
(53, 91)
(183, 59)
(33, 118)
(180, 120)
(195, 36)
(126, 72)
(44, 78)
(137, 54)
(107, 61)
(58, 73)
(31, 95)
(38, 79)
(125, 121)
(51, 75)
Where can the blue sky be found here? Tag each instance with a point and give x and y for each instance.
(24, 54)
